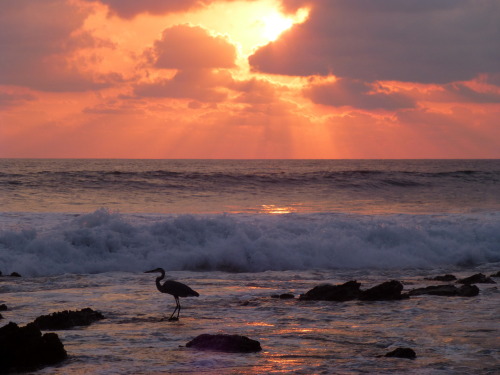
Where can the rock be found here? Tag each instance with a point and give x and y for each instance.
(283, 296)
(1, 316)
(327, 292)
(446, 277)
(478, 278)
(25, 349)
(496, 274)
(468, 291)
(447, 290)
(390, 290)
(68, 319)
(402, 353)
(15, 274)
(225, 343)
(3, 307)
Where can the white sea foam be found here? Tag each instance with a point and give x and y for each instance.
(102, 241)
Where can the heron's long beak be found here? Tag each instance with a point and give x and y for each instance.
(150, 271)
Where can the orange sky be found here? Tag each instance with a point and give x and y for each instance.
(250, 79)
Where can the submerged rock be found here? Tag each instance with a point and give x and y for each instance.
(3, 307)
(390, 290)
(402, 353)
(478, 278)
(68, 319)
(283, 296)
(25, 349)
(447, 277)
(328, 292)
(225, 343)
(447, 290)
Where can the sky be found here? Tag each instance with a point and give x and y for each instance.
(308, 79)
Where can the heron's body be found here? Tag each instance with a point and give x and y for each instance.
(174, 288)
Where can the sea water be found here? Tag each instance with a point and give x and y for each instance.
(81, 233)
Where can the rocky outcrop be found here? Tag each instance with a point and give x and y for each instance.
(478, 278)
(26, 349)
(447, 278)
(67, 319)
(447, 290)
(3, 307)
(328, 292)
(390, 290)
(283, 296)
(402, 353)
(225, 343)
(495, 274)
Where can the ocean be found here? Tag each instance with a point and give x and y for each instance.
(82, 232)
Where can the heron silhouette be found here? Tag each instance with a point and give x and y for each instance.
(174, 288)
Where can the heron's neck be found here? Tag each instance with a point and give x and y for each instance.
(158, 279)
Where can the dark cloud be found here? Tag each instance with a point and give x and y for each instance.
(255, 91)
(202, 85)
(36, 37)
(358, 94)
(460, 92)
(200, 60)
(423, 41)
(131, 8)
(493, 79)
(8, 99)
(186, 47)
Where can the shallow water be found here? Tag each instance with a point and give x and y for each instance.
(451, 335)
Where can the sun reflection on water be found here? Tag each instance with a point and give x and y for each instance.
(277, 210)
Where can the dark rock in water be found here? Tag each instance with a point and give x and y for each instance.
(15, 274)
(402, 353)
(68, 319)
(496, 274)
(478, 278)
(390, 290)
(468, 291)
(327, 292)
(25, 349)
(446, 277)
(1, 316)
(225, 343)
(283, 296)
(3, 307)
(447, 290)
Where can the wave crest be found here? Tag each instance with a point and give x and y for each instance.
(103, 241)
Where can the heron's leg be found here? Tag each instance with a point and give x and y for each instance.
(178, 308)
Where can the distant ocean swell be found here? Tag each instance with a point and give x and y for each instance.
(102, 241)
(172, 179)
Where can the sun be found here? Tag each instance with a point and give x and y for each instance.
(249, 25)
(274, 24)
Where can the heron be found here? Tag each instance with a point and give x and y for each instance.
(174, 288)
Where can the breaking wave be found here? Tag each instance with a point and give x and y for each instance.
(103, 241)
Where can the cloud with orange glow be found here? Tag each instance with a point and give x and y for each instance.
(250, 78)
